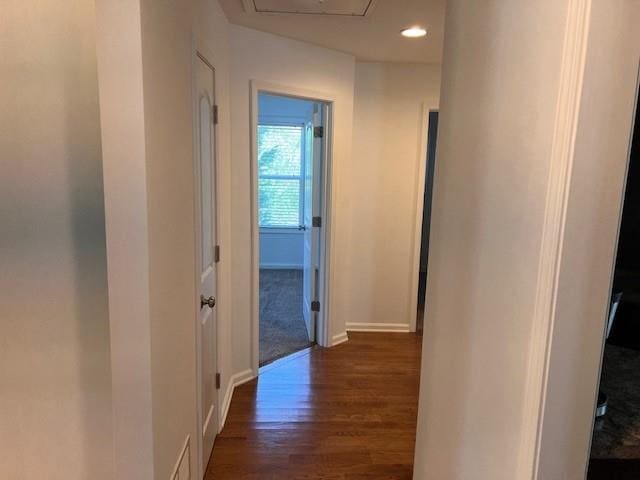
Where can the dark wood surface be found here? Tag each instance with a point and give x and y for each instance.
(345, 413)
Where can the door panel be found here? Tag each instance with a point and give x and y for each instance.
(206, 234)
(206, 179)
(307, 273)
(312, 206)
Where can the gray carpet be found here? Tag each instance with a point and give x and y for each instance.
(282, 328)
(617, 434)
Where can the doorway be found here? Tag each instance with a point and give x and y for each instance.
(615, 447)
(432, 137)
(290, 164)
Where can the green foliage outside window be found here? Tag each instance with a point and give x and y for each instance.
(280, 175)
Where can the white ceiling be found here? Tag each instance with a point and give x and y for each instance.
(374, 37)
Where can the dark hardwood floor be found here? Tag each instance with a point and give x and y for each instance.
(345, 413)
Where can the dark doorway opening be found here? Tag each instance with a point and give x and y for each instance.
(615, 449)
(432, 137)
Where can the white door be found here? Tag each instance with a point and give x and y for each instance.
(312, 199)
(206, 235)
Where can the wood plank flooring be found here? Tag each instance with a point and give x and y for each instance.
(345, 413)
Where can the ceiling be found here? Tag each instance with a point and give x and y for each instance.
(367, 29)
(317, 7)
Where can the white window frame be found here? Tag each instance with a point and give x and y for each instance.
(300, 178)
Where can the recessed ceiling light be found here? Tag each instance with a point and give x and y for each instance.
(414, 32)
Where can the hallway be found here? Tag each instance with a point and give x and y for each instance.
(348, 412)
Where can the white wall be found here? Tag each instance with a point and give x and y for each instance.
(282, 248)
(268, 58)
(387, 157)
(55, 379)
(587, 257)
(525, 224)
(282, 109)
(164, 197)
(500, 82)
(167, 56)
(125, 195)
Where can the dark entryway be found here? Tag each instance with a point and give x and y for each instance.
(432, 137)
(615, 452)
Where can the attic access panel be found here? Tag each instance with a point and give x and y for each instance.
(349, 8)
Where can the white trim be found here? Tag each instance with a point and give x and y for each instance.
(561, 164)
(207, 420)
(326, 212)
(235, 381)
(281, 266)
(327, 239)
(379, 327)
(185, 447)
(340, 338)
(420, 186)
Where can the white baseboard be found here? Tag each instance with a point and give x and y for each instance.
(281, 266)
(235, 381)
(181, 464)
(379, 327)
(338, 339)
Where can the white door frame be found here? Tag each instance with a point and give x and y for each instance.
(200, 51)
(588, 34)
(326, 235)
(420, 187)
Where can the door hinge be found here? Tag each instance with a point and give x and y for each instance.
(315, 306)
(316, 222)
(215, 114)
(217, 381)
(318, 132)
(216, 254)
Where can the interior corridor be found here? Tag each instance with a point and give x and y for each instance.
(343, 413)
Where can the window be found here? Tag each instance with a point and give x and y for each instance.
(280, 175)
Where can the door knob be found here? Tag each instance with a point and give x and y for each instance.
(210, 302)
